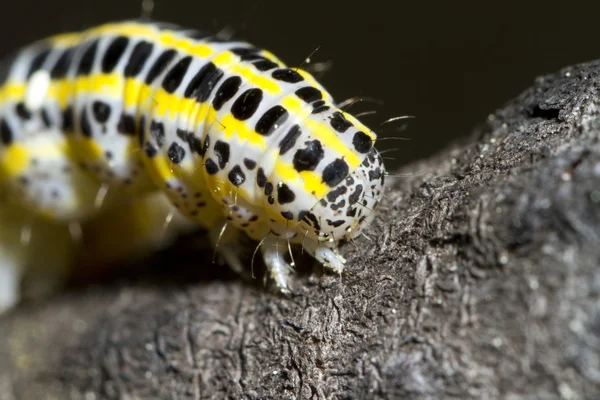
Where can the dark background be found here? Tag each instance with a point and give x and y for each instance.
(449, 65)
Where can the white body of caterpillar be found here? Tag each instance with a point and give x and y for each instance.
(233, 138)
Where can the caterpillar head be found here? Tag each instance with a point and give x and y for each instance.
(351, 205)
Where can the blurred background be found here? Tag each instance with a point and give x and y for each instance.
(449, 65)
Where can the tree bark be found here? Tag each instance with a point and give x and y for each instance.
(479, 279)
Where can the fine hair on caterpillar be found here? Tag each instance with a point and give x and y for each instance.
(223, 132)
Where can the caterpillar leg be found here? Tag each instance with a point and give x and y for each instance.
(10, 281)
(327, 256)
(274, 250)
(226, 243)
(11, 256)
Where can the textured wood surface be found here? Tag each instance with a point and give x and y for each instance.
(480, 280)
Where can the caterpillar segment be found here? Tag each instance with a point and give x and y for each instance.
(236, 140)
(37, 169)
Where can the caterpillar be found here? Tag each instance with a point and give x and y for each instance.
(238, 142)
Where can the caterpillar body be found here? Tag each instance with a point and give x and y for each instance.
(225, 130)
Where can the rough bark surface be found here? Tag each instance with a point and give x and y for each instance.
(480, 280)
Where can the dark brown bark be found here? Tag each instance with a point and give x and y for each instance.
(480, 280)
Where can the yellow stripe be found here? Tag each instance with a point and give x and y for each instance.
(100, 84)
(114, 85)
(65, 40)
(132, 91)
(224, 59)
(12, 90)
(359, 125)
(312, 81)
(231, 127)
(165, 104)
(110, 84)
(172, 105)
(14, 160)
(61, 90)
(240, 129)
(184, 45)
(135, 92)
(330, 140)
(166, 38)
(321, 131)
(256, 80)
(162, 168)
(270, 56)
(84, 149)
(313, 182)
